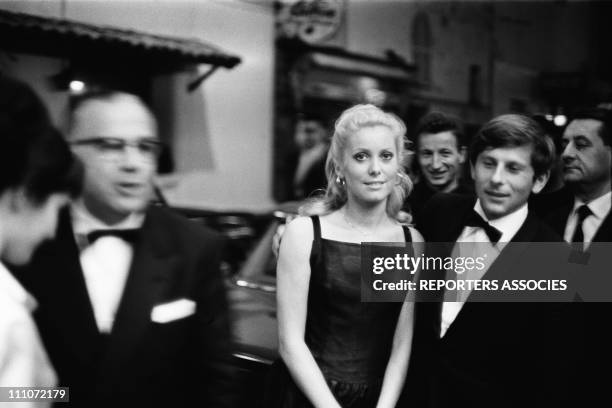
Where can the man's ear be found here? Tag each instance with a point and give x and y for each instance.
(472, 171)
(539, 182)
(462, 154)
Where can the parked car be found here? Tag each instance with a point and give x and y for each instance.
(249, 266)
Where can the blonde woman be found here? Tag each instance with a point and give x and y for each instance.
(341, 352)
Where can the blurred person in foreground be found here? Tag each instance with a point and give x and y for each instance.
(440, 156)
(341, 352)
(38, 174)
(136, 313)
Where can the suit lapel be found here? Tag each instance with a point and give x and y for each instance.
(498, 269)
(447, 240)
(510, 253)
(152, 266)
(558, 218)
(561, 204)
(70, 296)
(604, 232)
(457, 224)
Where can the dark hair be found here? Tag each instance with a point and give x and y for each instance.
(34, 154)
(438, 122)
(601, 114)
(514, 130)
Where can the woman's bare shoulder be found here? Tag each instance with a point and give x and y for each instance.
(299, 231)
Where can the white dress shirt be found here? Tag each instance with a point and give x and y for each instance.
(600, 207)
(105, 263)
(23, 360)
(508, 225)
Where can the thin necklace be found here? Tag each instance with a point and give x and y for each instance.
(359, 230)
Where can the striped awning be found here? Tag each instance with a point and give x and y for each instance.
(56, 37)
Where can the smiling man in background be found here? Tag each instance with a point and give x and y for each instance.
(135, 312)
(441, 153)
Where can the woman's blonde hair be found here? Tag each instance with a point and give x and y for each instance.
(351, 121)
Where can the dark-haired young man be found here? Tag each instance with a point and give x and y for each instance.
(440, 153)
(479, 352)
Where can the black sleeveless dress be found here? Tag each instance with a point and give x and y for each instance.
(350, 340)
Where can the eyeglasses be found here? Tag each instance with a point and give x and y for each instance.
(114, 148)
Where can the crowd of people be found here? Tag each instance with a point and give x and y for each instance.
(124, 303)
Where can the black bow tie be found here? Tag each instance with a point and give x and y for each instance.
(475, 220)
(128, 235)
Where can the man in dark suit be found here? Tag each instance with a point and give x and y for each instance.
(580, 212)
(479, 352)
(134, 313)
(440, 153)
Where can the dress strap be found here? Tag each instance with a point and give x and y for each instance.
(316, 239)
(407, 234)
(316, 225)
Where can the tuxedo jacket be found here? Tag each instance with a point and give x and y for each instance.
(182, 362)
(494, 353)
(416, 202)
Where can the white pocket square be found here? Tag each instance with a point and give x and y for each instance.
(177, 309)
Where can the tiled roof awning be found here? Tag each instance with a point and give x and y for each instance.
(64, 38)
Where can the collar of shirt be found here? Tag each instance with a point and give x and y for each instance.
(600, 207)
(508, 224)
(10, 286)
(83, 222)
(105, 263)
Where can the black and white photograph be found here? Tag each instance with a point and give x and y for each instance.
(305, 203)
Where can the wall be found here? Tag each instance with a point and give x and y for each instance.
(461, 37)
(222, 131)
(536, 37)
(511, 41)
(374, 26)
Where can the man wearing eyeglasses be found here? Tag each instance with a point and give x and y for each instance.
(135, 313)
